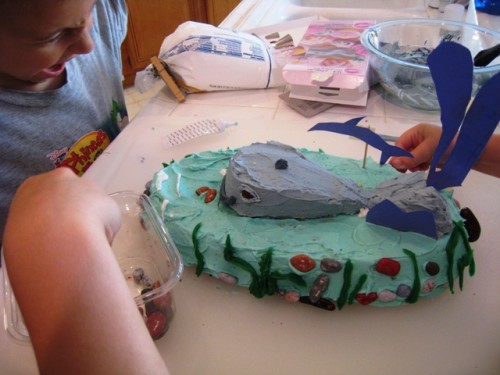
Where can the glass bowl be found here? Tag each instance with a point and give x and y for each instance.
(398, 53)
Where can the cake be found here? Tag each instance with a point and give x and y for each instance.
(291, 236)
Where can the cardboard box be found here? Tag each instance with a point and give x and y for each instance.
(329, 64)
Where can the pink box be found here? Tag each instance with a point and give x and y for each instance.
(329, 64)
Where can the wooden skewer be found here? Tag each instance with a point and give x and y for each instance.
(165, 76)
(365, 155)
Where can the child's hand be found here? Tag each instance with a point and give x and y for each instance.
(421, 141)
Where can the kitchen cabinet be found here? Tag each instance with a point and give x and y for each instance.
(150, 21)
(217, 10)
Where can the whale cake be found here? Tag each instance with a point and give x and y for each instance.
(312, 227)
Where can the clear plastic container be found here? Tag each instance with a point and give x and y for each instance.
(148, 257)
(13, 319)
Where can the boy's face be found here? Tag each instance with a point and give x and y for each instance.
(37, 38)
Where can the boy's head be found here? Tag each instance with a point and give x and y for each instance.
(37, 38)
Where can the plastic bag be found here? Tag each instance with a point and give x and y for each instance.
(202, 57)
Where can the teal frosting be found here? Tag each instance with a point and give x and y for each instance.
(345, 238)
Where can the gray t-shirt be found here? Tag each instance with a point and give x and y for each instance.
(72, 125)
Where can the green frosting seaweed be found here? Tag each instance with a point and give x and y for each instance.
(241, 263)
(468, 248)
(196, 245)
(472, 267)
(346, 285)
(415, 290)
(165, 165)
(265, 283)
(450, 254)
(357, 288)
(464, 261)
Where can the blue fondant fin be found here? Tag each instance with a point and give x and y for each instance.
(389, 215)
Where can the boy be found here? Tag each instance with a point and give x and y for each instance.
(61, 98)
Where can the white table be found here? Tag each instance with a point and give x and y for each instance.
(221, 329)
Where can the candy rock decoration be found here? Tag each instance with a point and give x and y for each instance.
(302, 262)
(158, 311)
(388, 266)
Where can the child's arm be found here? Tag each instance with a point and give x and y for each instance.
(489, 161)
(422, 140)
(71, 291)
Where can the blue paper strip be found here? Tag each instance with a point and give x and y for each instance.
(350, 128)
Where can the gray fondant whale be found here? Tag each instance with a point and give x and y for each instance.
(275, 180)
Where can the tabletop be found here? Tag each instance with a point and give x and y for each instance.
(221, 329)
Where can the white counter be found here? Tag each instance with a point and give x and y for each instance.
(257, 13)
(221, 329)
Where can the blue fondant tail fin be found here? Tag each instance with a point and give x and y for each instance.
(389, 215)
(453, 90)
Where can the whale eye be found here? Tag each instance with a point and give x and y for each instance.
(281, 164)
(248, 194)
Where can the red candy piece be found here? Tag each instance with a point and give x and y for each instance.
(388, 266)
(201, 190)
(366, 299)
(303, 262)
(210, 196)
(157, 325)
(163, 303)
